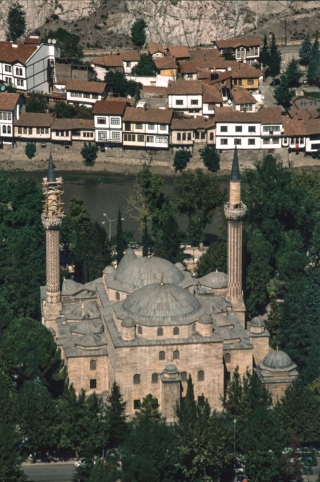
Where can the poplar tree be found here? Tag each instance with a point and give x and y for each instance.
(264, 53)
(293, 72)
(305, 51)
(275, 58)
(116, 417)
(16, 22)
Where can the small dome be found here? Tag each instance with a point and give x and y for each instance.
(164, 304)
(205, 319)
(171, 369)
(180, 266)
(87, 327)
(128, 322)
(215, 280)
(108, 270)
(129, 255)
(220, 320)
(277, 360)
(257, 321)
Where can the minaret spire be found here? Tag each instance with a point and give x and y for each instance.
(51, 219)
(235, 211)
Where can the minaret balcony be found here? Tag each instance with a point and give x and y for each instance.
(235, 213)
(51, 222)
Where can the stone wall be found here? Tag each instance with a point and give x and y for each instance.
(80, 374)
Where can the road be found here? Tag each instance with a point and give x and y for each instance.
(53, 472)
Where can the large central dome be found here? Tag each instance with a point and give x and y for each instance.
(145, 271)
(165, 304)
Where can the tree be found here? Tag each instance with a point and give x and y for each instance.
(305, 51)
(282, 93)
(264, 53)
(144, 67)
(122, 86)
(36, 103)
(116, 418)
(120, 244)
(210, 158)
(181, 159)
(214, 259)
(167, 243)
(273, 320)
(138, 33)
(275, 58)
(16, 22)
(315, 53)
(149, 408)
(69, 43)
(61, 109)
(228, 54)
(293, 72)
(89, 153)
(313, 73)
(146, 241)
(30, 149)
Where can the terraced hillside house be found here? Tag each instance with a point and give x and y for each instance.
(156, 50)
(34, 127)
(188, 131)
(105, 64)
(66, 131)
(108, 115)
(86, 93)
(271, 127)
(185, 97)
(11, 107)
(28, 66)
(146, 128)
(246, 49)
(237, 129)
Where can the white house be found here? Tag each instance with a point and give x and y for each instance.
(156, 50)
(108, 116)
(244, 49)
(130, 58)
(11, 106)
(243, 100)
(185, 96)
(86, 93)
(28, 66)
(66, 131)
(211, 98)
(271, 127)
(34, 127)
(146, 128)
(235, 128)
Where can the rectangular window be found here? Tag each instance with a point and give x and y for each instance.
(266, 141)
(250, 81)
(237, 142)
(73, 94)
(189, 136)
(19, 130)
(224, 142)
(30, 130)
(224, 129)
(275, 140)
(95, 96)
(183, 136)
(151, 127)
(25, 130)
(42, 130)
(115, 121)
(102, 135)
(140, 138)
(238, 128)
(1, 115)
(5, 116)
(116, 136)
(203, 135)
(301, 140)
(136, 404)
(7, 68)
(194, 101)
(150, 138)
(86, 95)
(271, 128)
(77, 133)
(38, 130)
(47, 130)
(129, 137)
(210, 106)
(128, 64)
(251, 142)
(8, 80)
(101, 120)
(252, 128)
(163, 127)
(93, 384)
(161, 139)
(127, 126)
(20, 82)
(196, 135)
(138, 125)
(179, 102)
(19, 71)
(211, 136)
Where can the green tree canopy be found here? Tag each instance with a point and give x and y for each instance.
(264, 53)
(89, 153)
(168, 238)
(116, 417)
(215, 258)
(275, 58)
(122, 86)
(138, 32)
(293, 73)
(144, 67)
(313, 73)
(282, 93)
(36, 103)
(210, 158)
(181, 159)
(30, 149)
(16, 22)
(305, 51)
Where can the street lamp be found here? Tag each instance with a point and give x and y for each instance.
(110, 221)
(234, 445)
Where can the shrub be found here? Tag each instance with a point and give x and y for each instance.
(89, 153)
(181, 159)
(30, 150)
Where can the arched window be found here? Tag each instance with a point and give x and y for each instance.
(9, 129)
(136, 379)
(176, 355)
(4, 129)
(200, 376)
(117, 295)
(160, 331)
(154, 378)
(93, 365)
(176, 330)
(139, 330)
(193, 327)
(227, 358)
(162, 355)
(184, 376)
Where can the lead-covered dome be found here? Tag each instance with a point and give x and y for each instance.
(162, 304)
(145, 271)
(277, 360)
(215, 280)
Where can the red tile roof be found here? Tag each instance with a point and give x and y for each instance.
(188, 68)
(32, 40)
(157, 116)
(224, 114)
(242, 96)
(184, 87)
(31, 119)
(109, 107)
(179, 52)
(192, 123)
(232, 43)
(8, 101)
(271, 115)
(130, 55)
(84, 86)
(154, 47)
(108, 61)
(153, 89)
(69, 124)
(11, 54)
(211, 94)
(165, 63)
(245, 71)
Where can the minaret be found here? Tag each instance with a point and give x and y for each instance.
(51, 219)
(235, 211)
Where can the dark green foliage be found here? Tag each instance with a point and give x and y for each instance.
(69, 44)
(116, 418)
(305, 51)
(181, 159)
(273, 320)
(16, 22)
(215, 258)
(210, 158)
(313, 73)
(293, 72)
(149, 408)
(199, 196)
(138, 33)
(106, 470)
(30, 149)
(146, 241)
(167, 243)
(89, 153)
(228, 54)
(275, 58)
(122, 86)
(264, 53)
(144, 67)
(120, 243)
(299, 413)
(282, 93)
(61, 109)
(36, 103)
(315, 53)
(29, 347)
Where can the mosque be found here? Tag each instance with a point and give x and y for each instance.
(148, 324)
